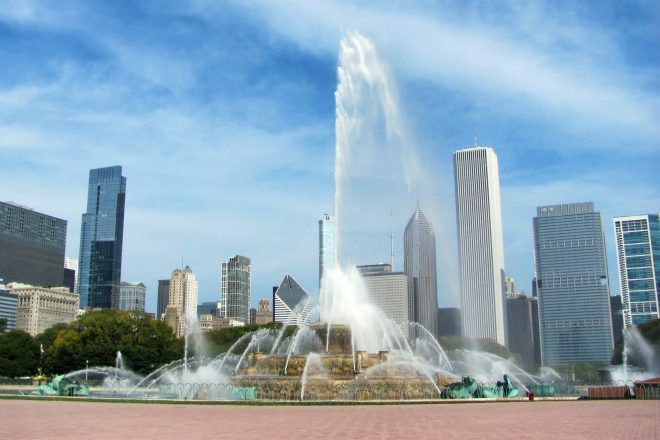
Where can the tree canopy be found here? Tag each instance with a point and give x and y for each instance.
(19, 354)
(94, 337)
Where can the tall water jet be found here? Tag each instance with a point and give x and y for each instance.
(365, 104)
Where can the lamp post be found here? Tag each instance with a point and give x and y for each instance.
(86, 368)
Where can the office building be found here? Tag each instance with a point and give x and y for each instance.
(449, 322)
(291, 303)
(419, 266)
(31, 246)
(388, 291)
(163, 298)
(131, 296)
(520, 322)
(40, 308)
(236, 289)
(8, 307)
(572, 285)
(208, 308)
(264, 315)
(327, 245)
(638, 256)
(536, 330)
(616, 307)
(182, 299)
(480, 243)
(253, 315)
(101, 239)
(71, 274)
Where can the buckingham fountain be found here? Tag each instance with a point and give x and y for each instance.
(355, 352)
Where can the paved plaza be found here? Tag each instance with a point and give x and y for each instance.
(504, 420)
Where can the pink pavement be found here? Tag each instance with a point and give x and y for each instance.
(601, 420)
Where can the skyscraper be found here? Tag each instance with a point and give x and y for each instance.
(31, 246)
(235, 289)
(327, 245)
(101, 239)
(71, 274)
(389, 292)
(638, 255)
(572, 285)
(419, 265)
(291, 303)
(480, 243)
(163, 298)
(182, 299)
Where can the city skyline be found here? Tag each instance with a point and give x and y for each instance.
(85, 97)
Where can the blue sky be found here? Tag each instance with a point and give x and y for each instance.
(222, 115)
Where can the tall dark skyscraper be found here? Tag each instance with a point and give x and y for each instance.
(31, 246)
(572, 285)
(101, 239)
(163, 298)
(419, 265)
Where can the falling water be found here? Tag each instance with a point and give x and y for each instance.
(364, 89)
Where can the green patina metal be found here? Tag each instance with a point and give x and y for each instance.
(464, 389)
(62, 386)
(468, 388)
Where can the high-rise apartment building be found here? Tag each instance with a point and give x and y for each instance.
(40, 308)
(101, 239)
(182, 299)
(163, 298)
(327, 245)
(420, 267)
(638, 254)
(291, 303)
(31, 246)
(236, 289)
(480, 243)
(572, 285)
(389, 292)
(131, 296)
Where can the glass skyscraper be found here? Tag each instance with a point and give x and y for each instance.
(31, 246)
(638, 255)
(236, 289)
(327, 245)
(419, 266)
(101, 239)
(572, 285)
(480, 243)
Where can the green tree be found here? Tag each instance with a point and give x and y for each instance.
(96, 336)
(19, 354)
(3, 325)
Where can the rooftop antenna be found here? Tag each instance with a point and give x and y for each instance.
(391, 242)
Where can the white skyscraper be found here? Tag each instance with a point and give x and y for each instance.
(480, 243)
(327, 245)
(182, 299)
(638, 255)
